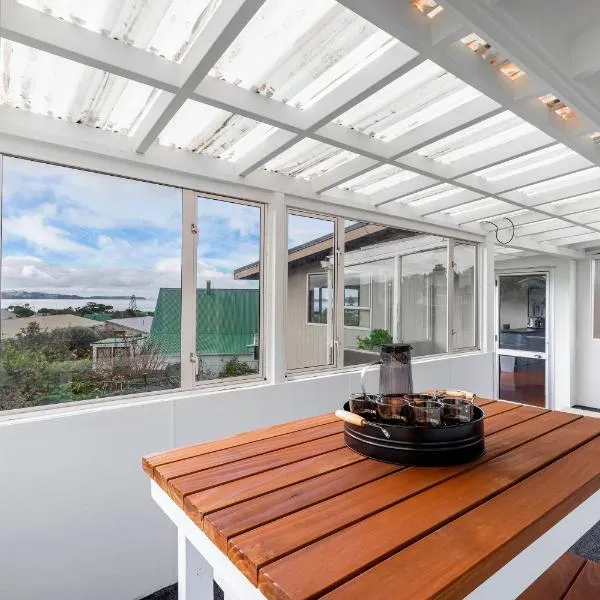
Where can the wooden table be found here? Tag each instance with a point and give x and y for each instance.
(291, 512)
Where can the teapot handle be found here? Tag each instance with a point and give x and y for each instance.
(364, 372)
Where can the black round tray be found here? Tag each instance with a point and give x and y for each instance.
(419, 446)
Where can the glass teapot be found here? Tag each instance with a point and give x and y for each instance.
(395, 372)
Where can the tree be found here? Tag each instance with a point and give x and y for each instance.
(21, 311)
(94, 308)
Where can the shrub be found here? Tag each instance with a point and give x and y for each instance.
(375, 340)
(235, 367)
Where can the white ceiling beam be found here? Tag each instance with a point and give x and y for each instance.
(556, 235)
(47, 33)
(273, 146)
(581, 206)
(343, 173)
(442, 204)
(226, 23)
(398, 191)
(584, 52)
(545, 248)
(560, 193)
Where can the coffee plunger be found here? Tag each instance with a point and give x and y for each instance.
(395, 372)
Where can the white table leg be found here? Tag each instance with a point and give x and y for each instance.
(195, 575)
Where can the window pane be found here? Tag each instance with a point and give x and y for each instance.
(424, 302)
(87, 260)
(228, 294)
(465, 257)
(311, 292)
(596, 299)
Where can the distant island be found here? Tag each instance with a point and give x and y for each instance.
(23, 295)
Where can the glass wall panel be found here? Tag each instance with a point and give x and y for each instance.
(310, 317)
(522, 379)
(465, 296)
(424, 306)
(88, 264)
(228, 289)
(596, 298)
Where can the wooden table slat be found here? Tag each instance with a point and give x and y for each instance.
(180, 487)
(496, 408)
(587, 584)
(255, 511)
(471, 548)
(371, 540)
(252, 550)
(504, 420)
(150, 461)
(164, 473)
(557, 580)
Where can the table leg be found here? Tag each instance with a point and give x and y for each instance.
(194, 573)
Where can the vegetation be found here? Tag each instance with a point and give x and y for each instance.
(374, 341)
(235, 367)
(21, 311)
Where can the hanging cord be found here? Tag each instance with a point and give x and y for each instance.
(512, 231)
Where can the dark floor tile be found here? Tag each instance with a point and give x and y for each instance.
(589, 545)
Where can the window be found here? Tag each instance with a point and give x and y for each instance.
(90, 276)
(228, 300)
(596, 298)
(357, 298)
(464, 329)
(318, 298)
(310, 316)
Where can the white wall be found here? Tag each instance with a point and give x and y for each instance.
(76, 518)
(587, 360)
(560, 322)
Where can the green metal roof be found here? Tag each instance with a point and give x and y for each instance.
(225, 324)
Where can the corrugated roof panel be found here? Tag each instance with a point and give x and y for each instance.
(424, 93)
(298, 51)
(164, 27)
(46, 84)
(204, 129)
(534, 160)
(437, 192)
(309, 159)
(499, 129)
(562, 182)
(378, 179)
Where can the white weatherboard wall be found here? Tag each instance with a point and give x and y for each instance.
(76, 518)
(561, 321)
(588, 349)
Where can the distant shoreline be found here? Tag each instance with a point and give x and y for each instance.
(42, 296)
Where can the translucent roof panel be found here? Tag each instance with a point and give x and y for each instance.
(422, 94)
(46, 84)
(437, 192)
(164, 27)
(563, 182)
(378, 179)
(309, 159)
(207, 130)
(298, 51)
(534, 160)
(497, 130)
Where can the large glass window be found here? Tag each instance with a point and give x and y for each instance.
(464, 328)
(228, 296)
(86, 262)
(310, 317)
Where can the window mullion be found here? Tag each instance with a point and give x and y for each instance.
(338, 333)
(189, 245)
(450, 295)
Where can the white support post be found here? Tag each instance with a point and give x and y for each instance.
(195, 575)
(276, 265)
(339, 249)
(189, 244)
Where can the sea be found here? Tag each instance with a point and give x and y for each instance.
(145, 305)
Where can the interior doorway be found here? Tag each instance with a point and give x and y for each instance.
(522, 337)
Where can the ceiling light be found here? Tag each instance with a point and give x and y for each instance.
(595, 137)
(557, 106)
(428, 7)
(484, 49)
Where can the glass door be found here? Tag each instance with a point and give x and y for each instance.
(522, 338)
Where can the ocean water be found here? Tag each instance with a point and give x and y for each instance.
(146, 305)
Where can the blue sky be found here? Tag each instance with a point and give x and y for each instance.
(72, 231)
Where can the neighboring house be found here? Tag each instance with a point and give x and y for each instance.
(227, 326)
(129, 325)
(11, 327)
(114, 351)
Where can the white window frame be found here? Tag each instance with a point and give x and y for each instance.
(189, 276)
(595, 298)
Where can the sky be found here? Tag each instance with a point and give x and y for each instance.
(75, 232)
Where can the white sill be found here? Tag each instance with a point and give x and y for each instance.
(41, 413)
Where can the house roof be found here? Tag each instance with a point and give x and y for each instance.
(11, 327)
(226, 323)
(142, 324)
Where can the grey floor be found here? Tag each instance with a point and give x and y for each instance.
(587, 547)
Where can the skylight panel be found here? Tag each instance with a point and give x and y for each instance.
(298, 51)
(522, 164)
(378, 179)
(499, 129)
(562, 182)
(164, 27)
(465, 209)
(419, 96)
(309, 159)
(207, 130)
(572, 202)
(437, 192)
(46, 84)
(484, 49)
